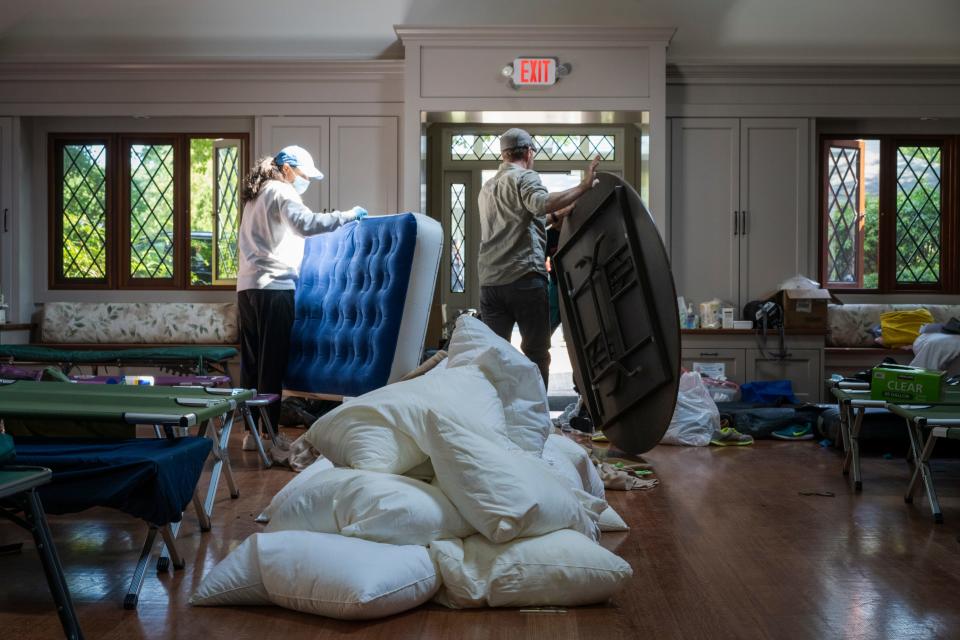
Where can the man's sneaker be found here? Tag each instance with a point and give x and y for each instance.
(795, 432)
(730, 437)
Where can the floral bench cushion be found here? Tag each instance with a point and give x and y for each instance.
(849, 325)
(140, 323)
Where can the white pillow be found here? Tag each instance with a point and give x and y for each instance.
(504, 494)
(293, 486)
(558, 445)
(374, 506)
(562, 569)
(235, 580)
(327, 574)
(517, 379)
(611, 521)
(378, 431)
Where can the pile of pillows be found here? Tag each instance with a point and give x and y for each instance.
(449, 486)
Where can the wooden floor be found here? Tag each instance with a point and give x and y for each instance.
(724, 548)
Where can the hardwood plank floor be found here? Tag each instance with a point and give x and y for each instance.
(723, 548)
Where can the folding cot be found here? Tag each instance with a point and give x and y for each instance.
(18, 494)
(171, 410)
(194, 359)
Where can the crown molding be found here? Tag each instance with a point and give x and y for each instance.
(810, 74)
(285, 70)
(536, 34)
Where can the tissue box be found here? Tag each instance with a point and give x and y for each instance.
(902, 383)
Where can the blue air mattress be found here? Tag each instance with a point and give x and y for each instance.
(362, 304)
(149, 479)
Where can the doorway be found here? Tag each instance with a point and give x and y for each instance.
(462, 152)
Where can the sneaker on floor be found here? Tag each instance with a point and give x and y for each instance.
(795, 432)
(249, 443)
(730, 437)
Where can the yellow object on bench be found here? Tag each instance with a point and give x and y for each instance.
(901, 328)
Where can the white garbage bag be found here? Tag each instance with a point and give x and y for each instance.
(696, 416)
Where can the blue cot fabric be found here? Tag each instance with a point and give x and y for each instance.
(349, 304)
(149, 479)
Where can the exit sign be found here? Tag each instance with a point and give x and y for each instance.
(529, 72)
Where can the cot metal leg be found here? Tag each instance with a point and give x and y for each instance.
(224, 452)
(922, 467)
(51, 566)
(845, 435)
(202, 516)
(136, 584)
(169, 534)
(157, 431)
(252, 426)
(855, 447)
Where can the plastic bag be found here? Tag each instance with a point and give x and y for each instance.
(722, 390)
(696, 417)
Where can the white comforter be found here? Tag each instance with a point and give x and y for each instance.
(937, 351)
(510, 518)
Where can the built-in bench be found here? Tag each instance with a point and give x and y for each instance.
(851, 344)
(182, 337)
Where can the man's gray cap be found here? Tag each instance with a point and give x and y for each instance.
(514, 138)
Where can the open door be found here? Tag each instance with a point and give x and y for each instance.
(619, 308)
(226, 209)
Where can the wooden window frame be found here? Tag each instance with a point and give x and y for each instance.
(118, 224)
(949, 214)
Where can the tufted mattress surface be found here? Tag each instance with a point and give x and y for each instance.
(362, 302)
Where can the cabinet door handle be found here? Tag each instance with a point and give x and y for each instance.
(736, 223)
(743, 224)
(705, 354)
(6, 226)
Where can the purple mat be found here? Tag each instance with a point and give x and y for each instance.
(11, 372)
(160, 381)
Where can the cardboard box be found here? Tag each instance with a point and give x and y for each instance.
(804, 309)
(903, 383)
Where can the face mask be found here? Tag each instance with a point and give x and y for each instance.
(300, 184)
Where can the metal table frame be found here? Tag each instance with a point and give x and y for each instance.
(852, 408)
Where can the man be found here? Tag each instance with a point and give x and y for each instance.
(515, 209)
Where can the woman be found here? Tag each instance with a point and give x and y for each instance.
(270, 248)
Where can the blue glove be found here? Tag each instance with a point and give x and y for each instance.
(359, 212)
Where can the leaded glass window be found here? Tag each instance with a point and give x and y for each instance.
(918, 209)
(458, 267)
(151, 210)
(227, 209)
(549, 147)
(83, 211)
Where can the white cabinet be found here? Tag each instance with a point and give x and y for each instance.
(739, 205)
(801, 366)
(363, 163)
(745, 359)
(358, 156)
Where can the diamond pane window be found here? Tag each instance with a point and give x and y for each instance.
(228, 209)
(550, 147)
(458, 268)
(151, 210)
(475, 147)
(565, 147)
(83, 211)
(918, 213)
(844, 213)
